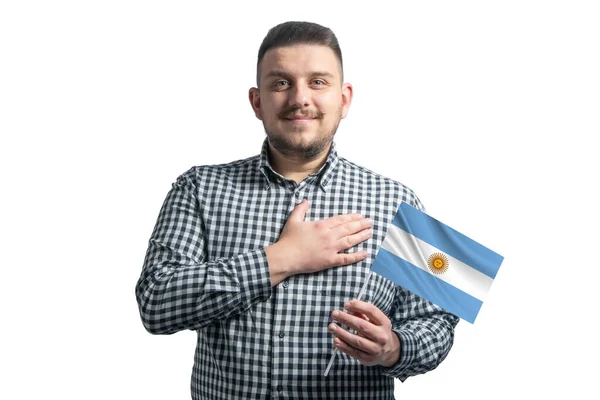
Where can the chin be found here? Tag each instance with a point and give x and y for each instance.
(295, 146)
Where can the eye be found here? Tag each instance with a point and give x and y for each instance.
(280, 84)
(318, 82)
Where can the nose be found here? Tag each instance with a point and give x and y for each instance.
(299, 96)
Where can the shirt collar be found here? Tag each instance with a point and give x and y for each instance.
(324, 174)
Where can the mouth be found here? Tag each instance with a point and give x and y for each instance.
(300, 120)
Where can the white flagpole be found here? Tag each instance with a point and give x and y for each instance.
(360, 295)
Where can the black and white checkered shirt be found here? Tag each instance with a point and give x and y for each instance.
(206, 270)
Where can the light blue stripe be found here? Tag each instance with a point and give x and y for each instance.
(426, 285)
(447, 240)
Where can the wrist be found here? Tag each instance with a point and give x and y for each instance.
(394, 355)
(279, 265)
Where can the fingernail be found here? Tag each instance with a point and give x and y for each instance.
(348, 306)
(335, 314)
(332, 327)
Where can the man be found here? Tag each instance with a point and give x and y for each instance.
(259, 256)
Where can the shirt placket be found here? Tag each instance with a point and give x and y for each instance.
(282, 334)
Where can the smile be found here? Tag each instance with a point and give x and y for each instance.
(300, 121)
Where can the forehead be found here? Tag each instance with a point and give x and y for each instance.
(300, 60)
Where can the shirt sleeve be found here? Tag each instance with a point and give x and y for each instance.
(426, 334)
(178, 288)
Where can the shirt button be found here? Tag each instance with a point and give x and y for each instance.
(281, 335)
(286, 284)
(279, 388)
(297, 194)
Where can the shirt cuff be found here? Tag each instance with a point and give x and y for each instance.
(254, 277)
(408, 352)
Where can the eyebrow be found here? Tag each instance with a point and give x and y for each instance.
(282, 74)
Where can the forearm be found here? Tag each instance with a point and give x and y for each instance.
(174, 295)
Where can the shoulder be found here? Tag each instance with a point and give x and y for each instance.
(200, 175)
(371, 180)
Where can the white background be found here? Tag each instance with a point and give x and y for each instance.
(489, 111)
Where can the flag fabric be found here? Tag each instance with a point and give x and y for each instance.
(436, 262)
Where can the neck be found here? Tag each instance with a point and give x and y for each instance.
(296, 169)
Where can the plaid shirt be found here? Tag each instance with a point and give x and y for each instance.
(206, 270)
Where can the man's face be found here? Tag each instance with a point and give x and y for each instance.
(301, 99)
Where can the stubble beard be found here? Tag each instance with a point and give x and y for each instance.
(289, 148)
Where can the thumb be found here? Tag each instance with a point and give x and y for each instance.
(299, 211)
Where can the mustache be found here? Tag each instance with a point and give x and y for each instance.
(294, 112)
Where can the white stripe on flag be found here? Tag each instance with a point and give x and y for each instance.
(459, 274)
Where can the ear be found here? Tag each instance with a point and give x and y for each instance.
(254, 97)
(347, 92)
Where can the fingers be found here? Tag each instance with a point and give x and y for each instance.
(373, 342)
(338, 220)
(352, 227)
(299, 212)
(364, 328)
(351, 233)
(361, 343)
(363, 357)
(361, 315)
(348, 258)
(347, 242)
(375, 315)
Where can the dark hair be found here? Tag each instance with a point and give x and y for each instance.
(298, 32)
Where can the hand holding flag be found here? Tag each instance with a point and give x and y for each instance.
(374, 342)
(431, 260)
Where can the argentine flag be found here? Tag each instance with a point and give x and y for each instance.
(436, 262)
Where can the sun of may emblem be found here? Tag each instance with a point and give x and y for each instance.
(438, 263)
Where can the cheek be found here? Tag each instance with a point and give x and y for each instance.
(330, 104)
(271, 109)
